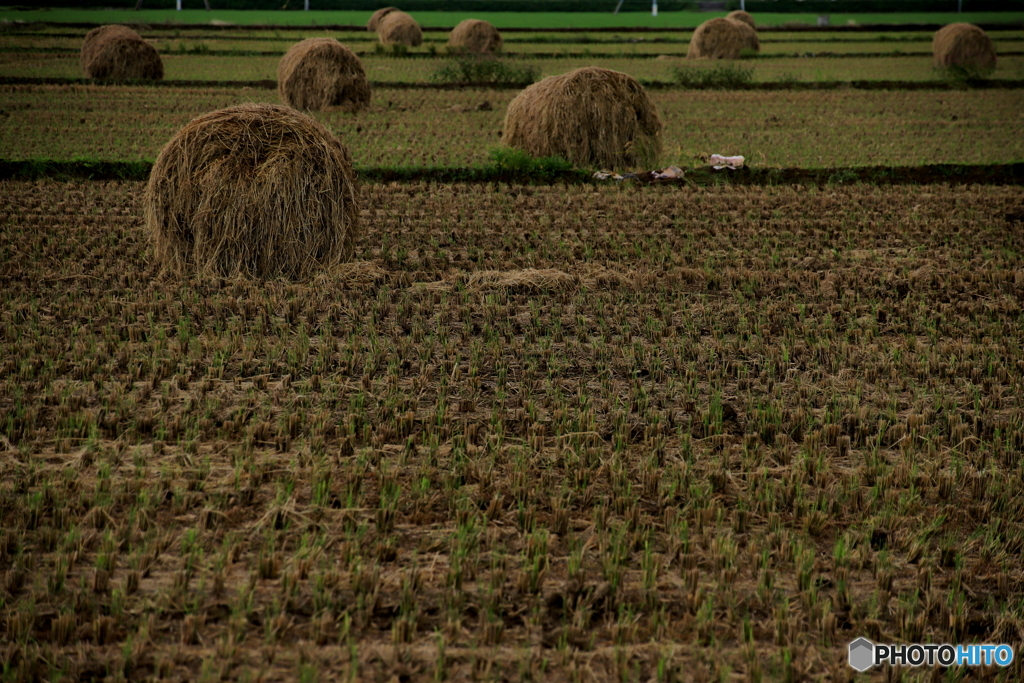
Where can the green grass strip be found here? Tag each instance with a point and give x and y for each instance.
(267, 84)
(85, 169)
(983, 174)
(515, 55)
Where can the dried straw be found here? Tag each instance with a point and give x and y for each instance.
(529, 280)
(474, 35)
(118, 53)
(374, 23)
(255, 190)
(965, 46)
(321, 73)
(549, 280)
(718, 38)
(350, 275)
(590, 116)
(398, 28)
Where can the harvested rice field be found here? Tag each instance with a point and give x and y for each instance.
(237, 53)
(535, 432)
(459, 128)
(653, 66)
(704, 430)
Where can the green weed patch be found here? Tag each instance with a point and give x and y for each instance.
(722, 76)
(484, 70)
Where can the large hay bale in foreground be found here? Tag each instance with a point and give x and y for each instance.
(118, 53)
(474, 35)
(964, 46)
(255, 190)
(374, 23)
(590, 117)
(398, 28)
(319, 73)
(740, 15)
(718, 38)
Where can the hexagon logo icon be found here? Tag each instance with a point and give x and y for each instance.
(862, 654)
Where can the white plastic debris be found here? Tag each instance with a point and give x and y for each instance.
(668, 173)
(611, 175)
(718, 162)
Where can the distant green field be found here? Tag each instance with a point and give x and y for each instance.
(499, 19)
(242, 40)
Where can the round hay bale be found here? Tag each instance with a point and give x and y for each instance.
(718, 38)
(748, 35)
(740, 15)
(374, 23)
(255, 190)
(319, 73)
(97, 35)
(118, 53)
(964, 46)
(474, 35)
(589, 116)
(398, 28)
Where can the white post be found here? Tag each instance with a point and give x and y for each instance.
(959, 6)
(654, 8)
(306, 5)
(743, 5)
(179, 5)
